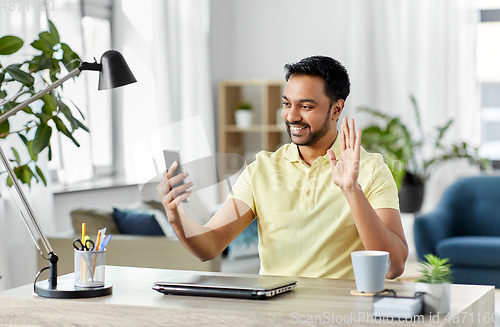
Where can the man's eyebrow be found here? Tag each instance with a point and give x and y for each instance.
(301, 100)
(309, 100)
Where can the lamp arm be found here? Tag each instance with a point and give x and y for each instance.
(40, 94)
(27, 205)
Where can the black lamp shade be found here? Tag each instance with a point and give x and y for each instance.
(115, 71)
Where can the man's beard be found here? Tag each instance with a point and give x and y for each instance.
(313, 137)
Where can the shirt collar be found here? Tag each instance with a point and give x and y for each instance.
(292, 153)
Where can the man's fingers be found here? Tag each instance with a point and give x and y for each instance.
(357, 145)
(331, 157)
(181, 198)
(352, 134)
(172, 168)
(173, 194)
(343, 134)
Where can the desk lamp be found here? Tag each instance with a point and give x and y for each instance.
(114, 72)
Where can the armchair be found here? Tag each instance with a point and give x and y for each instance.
(465, 227)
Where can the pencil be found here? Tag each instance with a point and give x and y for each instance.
(83, 268)
(84, 226)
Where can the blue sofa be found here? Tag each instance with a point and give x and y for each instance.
(465, 227)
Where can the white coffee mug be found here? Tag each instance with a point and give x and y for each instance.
(370, 268)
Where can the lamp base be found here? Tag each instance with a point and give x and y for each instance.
(66, 289)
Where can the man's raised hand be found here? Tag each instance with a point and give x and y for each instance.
(345, 170)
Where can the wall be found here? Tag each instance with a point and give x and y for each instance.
(104, 197)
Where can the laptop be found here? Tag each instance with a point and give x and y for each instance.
(258, 288)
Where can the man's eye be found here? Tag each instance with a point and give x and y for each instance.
(286, 104)
(306, 108)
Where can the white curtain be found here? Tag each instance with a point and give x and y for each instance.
(426, 48)
(170, 107)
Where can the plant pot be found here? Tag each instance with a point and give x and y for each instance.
(411, 194)
(243, 118)
(436, 298)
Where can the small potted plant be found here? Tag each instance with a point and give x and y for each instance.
(243, 115)
(435, 283)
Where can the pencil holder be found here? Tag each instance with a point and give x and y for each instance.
(89, 268)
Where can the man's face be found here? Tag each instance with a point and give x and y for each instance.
(306, 109)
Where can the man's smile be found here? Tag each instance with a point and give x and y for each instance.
(294, 128)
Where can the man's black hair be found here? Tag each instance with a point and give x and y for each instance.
(337, 85)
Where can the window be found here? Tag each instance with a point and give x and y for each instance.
(90, 39)
(488, 68)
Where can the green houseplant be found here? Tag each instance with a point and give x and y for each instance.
(435, 283)
(243, 115)
(411, 159)
(245, 106)
(18, 82)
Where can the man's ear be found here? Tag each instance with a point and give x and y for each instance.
(337, 108)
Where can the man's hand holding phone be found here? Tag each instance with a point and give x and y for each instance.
(172, 195)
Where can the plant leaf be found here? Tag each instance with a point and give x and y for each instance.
(68, 56)
(49, 104)
(27, 110)
(25, 175)
(81, 114)
(75, 123)
(10, 44)
(40, 174)
(42, 138)
(18, 159)
(48, 39)
(5, 128)
(441, 131)
(33, 155)
(2, 77)
(82, 126)
(23, 138)
(63, 129)
(9, 181)
(42, 46)
(20, 75)
(53, 31)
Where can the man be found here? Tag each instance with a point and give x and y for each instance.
(316, 200)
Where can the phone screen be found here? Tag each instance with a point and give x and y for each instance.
(170, 157)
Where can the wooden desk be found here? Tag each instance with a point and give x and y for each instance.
(134, 303)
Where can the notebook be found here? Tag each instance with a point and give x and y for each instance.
(259, 287)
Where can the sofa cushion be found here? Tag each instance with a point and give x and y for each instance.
(474, 251)
(136, 222)
(94, 220)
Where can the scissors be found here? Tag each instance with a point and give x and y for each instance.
(88, 246)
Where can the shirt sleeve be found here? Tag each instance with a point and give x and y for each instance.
(242, 190)
(383, 192)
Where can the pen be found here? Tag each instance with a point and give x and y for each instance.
(105, 242)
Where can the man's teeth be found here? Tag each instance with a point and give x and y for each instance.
(297, 128)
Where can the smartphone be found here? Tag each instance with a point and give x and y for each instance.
(171, 156)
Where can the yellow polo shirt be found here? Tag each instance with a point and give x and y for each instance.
(304, 221)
